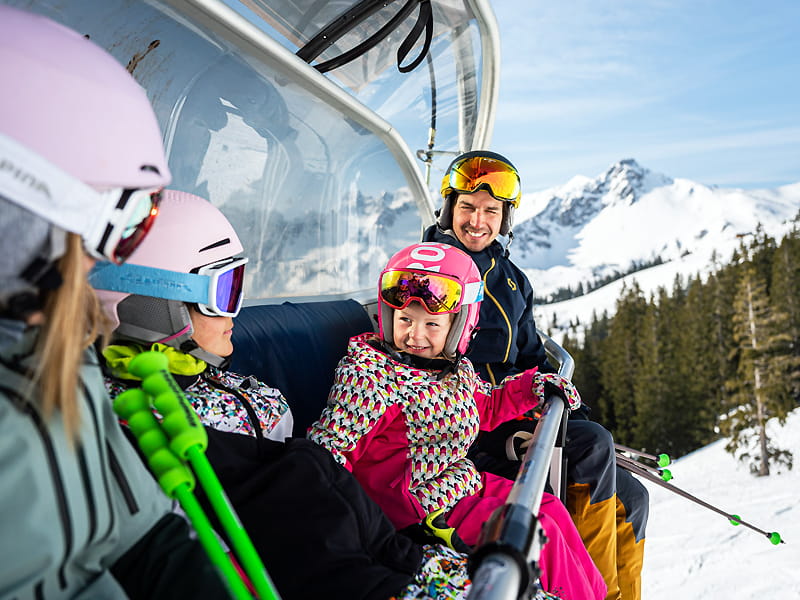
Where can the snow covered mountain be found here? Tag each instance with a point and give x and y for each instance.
(591, 229)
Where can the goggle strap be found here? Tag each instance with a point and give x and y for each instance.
(31, 181)
(473, 292)
(149, 281)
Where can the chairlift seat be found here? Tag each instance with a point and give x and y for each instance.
(295, 348)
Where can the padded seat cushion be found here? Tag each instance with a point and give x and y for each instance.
(295, 347)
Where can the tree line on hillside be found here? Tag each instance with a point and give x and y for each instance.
(567, 293)
(716, 357)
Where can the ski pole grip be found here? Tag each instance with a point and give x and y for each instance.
(133, 406)
(179, 420)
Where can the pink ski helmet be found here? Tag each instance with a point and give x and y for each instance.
(192, 255)
(80, 151)
(73, 104)
(443, 279)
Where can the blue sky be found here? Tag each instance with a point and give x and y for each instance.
(707, 90)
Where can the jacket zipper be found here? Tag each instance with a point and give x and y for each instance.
(119, 476)
(114, 465)
(500, 308)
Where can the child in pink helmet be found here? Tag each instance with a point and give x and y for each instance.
(406, 405)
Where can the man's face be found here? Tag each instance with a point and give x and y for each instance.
(476, 219)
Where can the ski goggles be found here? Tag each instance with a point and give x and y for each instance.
(476, 173)
(112, 223)
(216, 288)
(437, 293)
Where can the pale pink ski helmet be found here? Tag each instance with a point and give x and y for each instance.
(190, 249)
(440, 277)
(72, 103)
(80, 151)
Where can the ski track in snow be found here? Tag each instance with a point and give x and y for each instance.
(692, 552)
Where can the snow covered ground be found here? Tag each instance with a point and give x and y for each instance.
(692, 552)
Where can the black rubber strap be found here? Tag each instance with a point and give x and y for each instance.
(424, 21)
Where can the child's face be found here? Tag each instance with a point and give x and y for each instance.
(418, 332)
(212, 334)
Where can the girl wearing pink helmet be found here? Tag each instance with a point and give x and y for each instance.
(81, 164)
(178, 295)
(406, 405)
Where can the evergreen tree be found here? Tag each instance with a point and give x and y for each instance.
(761, 389)
(652, 415)
(721, 290)
(620, 361)
(703, 359)
(587, 376)
(786, 284)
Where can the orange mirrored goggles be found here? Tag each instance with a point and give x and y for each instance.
(437, 293)
(477, 173)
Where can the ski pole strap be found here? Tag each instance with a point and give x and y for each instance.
(188, 439)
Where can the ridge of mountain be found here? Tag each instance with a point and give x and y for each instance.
(594, 229)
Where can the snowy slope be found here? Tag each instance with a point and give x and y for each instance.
(691, 552)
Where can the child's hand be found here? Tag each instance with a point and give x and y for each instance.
(434, 529)
(552, 383)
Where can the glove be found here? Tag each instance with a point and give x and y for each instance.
(434, 529)
(552, 383)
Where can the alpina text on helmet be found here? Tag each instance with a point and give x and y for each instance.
(23, 177)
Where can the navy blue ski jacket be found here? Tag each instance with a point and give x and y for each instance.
(506, 342)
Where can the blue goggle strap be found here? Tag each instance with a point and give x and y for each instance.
(149, 281)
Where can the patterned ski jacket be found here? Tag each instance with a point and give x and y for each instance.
(230, 402)
(404, 431)
(506, 342)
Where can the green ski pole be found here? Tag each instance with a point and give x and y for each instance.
(773, 536)
(662, 460)
(176, 480)
(625, 462)
(188, 440)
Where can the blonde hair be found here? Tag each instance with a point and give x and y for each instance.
(73, 321)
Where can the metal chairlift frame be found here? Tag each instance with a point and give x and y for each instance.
(505, 565)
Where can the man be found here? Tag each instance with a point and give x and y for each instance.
(480, 191)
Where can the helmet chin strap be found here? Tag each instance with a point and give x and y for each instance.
(174, 328)
(508, 244)
(191, 347)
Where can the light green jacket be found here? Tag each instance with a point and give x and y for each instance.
(67, 513)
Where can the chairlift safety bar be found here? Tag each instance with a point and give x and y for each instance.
(498, 575)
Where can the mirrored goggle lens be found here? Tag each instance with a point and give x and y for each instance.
(437, 293)
(141, 215)
(472, 174)
(229, 289)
